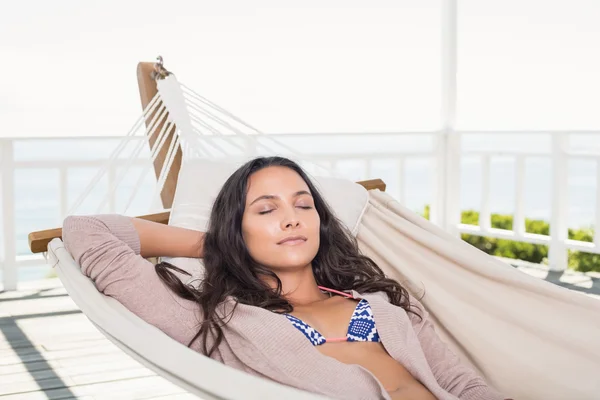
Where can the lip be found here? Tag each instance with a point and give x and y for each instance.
(292, 240)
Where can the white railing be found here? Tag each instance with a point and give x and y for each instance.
(558, 242)
(442, 150)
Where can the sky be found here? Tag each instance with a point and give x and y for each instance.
(68, 67)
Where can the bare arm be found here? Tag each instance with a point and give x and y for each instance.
(159, 240)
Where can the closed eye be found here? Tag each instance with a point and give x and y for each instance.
(265, 212)
(269, 211)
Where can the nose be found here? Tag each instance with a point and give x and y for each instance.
(290, 219)
(292, 224)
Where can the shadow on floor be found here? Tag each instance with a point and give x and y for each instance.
(555, 276)
(37, 295)
(30, 357)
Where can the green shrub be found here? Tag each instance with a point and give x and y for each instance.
(534, 253)
(426, 212)
(584, 262)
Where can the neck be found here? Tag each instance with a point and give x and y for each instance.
(299, 286)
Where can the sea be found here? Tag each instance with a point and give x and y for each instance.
(37, 200)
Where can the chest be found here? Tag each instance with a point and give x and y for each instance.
(357, 368)
(336, 322)
(348, 327)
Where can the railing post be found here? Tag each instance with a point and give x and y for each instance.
(485, 214)
(63, 188)
(558, 255)
(112, 206)
(519, 226)
(402, 182)
(9, 264)
(368, 168)
(597, 219)
(445, 212)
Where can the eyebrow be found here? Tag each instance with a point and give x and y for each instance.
(270, 196)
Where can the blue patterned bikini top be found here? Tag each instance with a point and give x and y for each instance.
(360, 329)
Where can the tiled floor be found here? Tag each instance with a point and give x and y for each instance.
(49, 350)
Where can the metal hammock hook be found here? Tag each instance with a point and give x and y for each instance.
(160, 72)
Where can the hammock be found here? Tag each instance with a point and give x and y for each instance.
(527, 337)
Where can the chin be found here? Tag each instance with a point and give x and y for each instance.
(295, 263)
(291, 264)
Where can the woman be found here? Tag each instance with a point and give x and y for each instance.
(286, 293)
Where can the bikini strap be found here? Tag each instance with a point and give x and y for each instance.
(336, 292)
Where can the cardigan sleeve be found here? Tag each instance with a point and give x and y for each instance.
(107, 249)
(451, 373)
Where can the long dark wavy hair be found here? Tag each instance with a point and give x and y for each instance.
(231, 272)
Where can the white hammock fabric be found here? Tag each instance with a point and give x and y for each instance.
(530, 339)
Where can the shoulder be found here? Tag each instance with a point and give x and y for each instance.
(383, 297)
(417, 313)
(377, 296)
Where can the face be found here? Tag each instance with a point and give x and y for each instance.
(280, 224)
